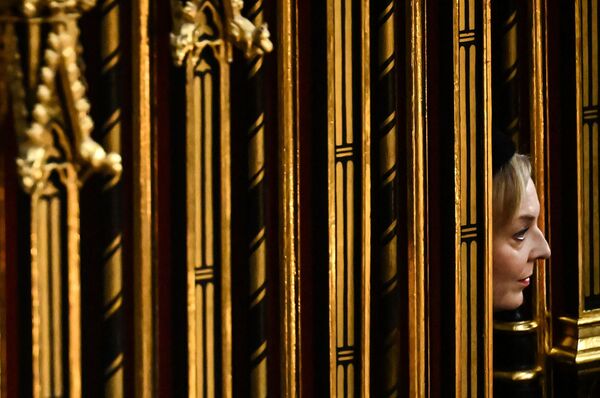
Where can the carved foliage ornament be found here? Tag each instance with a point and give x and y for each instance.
(193, 29)
(32, 8)
(44, 146)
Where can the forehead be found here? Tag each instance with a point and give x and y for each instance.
(530, 204)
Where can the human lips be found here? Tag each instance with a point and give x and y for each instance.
(525, 281)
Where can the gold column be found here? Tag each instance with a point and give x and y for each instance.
(349, 170)
(3, 222)
(472, 131)
(386, 344)
(256, 239)
(143, 237)
(289, 197)
(578, 343)
(417, 171)
(3, 309)
(110, 127)
(56, 156)
(204, 32)
(538, 109)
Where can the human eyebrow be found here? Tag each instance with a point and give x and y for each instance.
(527, 218)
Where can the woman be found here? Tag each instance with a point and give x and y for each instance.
(517, 240)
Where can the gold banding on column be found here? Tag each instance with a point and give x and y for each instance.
(348, 164)
(202, 39)
(472, 133)
(289, 196)
(110, 105)
(386, 343)
(56, 156)
(256, 237)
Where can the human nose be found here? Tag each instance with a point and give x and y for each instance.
(541, 249)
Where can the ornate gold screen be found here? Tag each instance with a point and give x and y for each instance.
(248, 198)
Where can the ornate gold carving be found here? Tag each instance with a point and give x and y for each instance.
(193, 30)
(33, 8)
(54, 140)
(38, 149)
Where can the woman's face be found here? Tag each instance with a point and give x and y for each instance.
(516, 246)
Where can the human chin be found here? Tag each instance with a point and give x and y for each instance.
(509, 301)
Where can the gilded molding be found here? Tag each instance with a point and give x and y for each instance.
(579, 341)
(521, 375)
(472, 153)
(191, 31)
(521, 326)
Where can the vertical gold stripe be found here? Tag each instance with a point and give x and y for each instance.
(206, 250)
(340, 265)
(416, 206)
(538, 151)
(334, 33)
(586, 244)
(464, 181)
(45, 349)
(472, 168)
(349, 239)
(35, 297)
(594, 43)
(3, 228)
(586, 57)
(55, 297)
(485, 325)
(459, 183)
(142, 218)
(581, 182)
(365, 345)
(193, 234)
(289, 198)
(334, 71)
(74, 280)
(348, 73)
(473, 315)
(594, 166)
(200, 358)
(209, 308)
(225, 224)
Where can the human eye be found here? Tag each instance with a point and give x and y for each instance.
(520, 236)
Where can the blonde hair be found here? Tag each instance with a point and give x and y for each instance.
(509, 187)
